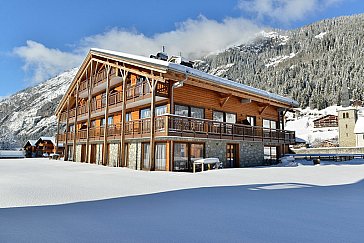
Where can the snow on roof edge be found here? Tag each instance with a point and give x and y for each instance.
(198, 73)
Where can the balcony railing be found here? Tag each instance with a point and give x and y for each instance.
(172, 125)
(133, 93)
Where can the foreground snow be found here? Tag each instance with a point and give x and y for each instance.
(272, 204)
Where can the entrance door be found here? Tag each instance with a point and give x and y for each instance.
(232, 156)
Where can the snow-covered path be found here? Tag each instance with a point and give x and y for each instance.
(273, 204)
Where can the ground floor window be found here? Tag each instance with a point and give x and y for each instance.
(146, 155)
(160, 156)
(185, 154)
(270, 154)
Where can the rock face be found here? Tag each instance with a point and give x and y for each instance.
(29, 113)
(308, 64)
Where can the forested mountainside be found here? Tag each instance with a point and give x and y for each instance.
(29, 113)
(309, 64)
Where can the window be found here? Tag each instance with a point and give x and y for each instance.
(160, 156)
(93, 123)
(270, 153)
(128, 116)
(218, 116)
(186, 153)
(102, 122)
(72, 128)
(197, 112)
(224, 117)
(181, 110)
(160, 110)
(189, 111)
(269, 124)
(145, 113)
(146, 155)
(103, 99)
(230, 117)
(251, 120)
(110, 120)
(180, 156)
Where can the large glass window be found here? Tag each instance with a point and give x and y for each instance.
(230, 117)
(224, 117)
(145, 113)
(160, 110)
(185, 154)
(269, 124)
(181, 110)
(218, 116)
(180, 156)
(146, 155)
(189, 111)
(197, 112)
(270, 154)
(160, 156)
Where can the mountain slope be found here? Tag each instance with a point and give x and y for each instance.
(29, 114)
(308, 64)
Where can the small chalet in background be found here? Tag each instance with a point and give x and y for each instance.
(42, 147)
(30, 148)
(326, 121)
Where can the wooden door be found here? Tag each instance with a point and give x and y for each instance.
(232, 160)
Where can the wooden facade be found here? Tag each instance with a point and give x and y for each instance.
(120, 103)
(326, 121)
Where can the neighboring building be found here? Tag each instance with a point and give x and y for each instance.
(359, 132)
(350, 126)
(30, 149)
(42, 147)
(45, 146)
(326, 121)
(143, 113)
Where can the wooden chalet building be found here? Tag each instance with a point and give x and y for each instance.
(144, 113)
(326, 121)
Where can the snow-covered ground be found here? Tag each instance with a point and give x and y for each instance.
(43, 200)
(304, 127)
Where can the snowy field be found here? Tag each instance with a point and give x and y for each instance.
(43, 200)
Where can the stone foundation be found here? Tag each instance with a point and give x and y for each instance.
(113, 154)
(134, 155)
(78, 152)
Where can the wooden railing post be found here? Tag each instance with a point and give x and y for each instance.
(123, 120)
(75, 124)
(106, 116)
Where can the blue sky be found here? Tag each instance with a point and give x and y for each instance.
(42, 38)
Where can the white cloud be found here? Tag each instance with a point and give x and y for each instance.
(194, 38)
(284, 11)
(44, 62)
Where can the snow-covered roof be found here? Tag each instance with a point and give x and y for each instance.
(300, 140)
(359, 126)
(31, 142)
(197, 73)
(52, 139)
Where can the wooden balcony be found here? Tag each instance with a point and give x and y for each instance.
(134, 93)
(172, 125)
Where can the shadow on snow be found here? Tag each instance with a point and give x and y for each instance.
(250, 213)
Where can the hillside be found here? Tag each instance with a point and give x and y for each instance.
(29, 113)
(308, 64)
